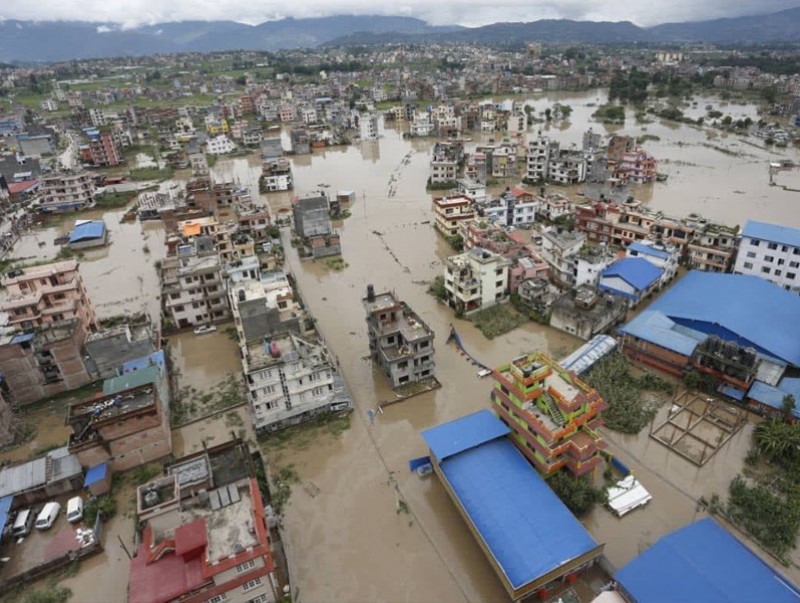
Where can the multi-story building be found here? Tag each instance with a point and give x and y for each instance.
(290, 379)
(547, 162)
(220, 145)
(368, 126)
(476, 279)
(712, 248)
(205, 535)
(125, 429)
(664, 257)
(537, 159)
(312, 222)
(276, 175)
(192, 292)
(584, 312)
(67, 191)
(400, 342)
(559, 249)
(46, 294)
(450, 213)
(771, 252)
(102, 148)
(635, 167)
(552, 414)
(567, 168)
(446, 162)
(301, 142)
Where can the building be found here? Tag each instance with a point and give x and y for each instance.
(125, 429)
(368, 126)
(220, 145)
(760, 344)
(476, 279)
(290, 379)
(271, 148)
(35, 146)
(44, 361)
(664, 257)
(276, 175)
(585, 313)
(45, 294)
(450, 213)
(400, 343)
(192, 292)
(635, 167)
(301, 143)
(68, 191)
(206, 533)
(771, 252)
(552, 414)
(102, 148)
(589, 263)
(545, 161)
(45, 477)
(508, 507)
(446, 162)
(559, 248)
(703, 562)
(106, 350)
(633, 278)
(88, 234)
(312, 223)
(712, 248)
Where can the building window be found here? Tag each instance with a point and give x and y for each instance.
(794, 264)
(768, 258)
(247, 565)
(765, 270)
(777, 273)
(252, 584)
(748, 265)
(751, 254)
(772, 245)
(790, 275)
(217, 598)
(317, 391)
(259, 599)
(753, 242)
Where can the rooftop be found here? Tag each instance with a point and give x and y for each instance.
(637, 272)
(660, 329)
(283, 349)
(114, 405)
(785, 235)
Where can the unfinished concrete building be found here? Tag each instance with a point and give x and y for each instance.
(400, 342)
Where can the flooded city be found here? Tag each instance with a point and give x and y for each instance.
(359, 526)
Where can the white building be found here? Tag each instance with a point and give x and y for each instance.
(476, 279)
(220, 145)
(665, 257)
(589, 265)
(517, 123)
(422, 124)
(368, 126)
(308, 115)
(559, 249)
(771, 252)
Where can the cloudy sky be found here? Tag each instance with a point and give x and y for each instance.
(463, 12)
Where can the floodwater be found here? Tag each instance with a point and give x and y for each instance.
(346, 536)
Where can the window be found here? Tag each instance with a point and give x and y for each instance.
(317, 391)
(247, 565)
(781, 262)
(768, 258)
(217, 598)
(259, 599)
(765, 270)
(790, 275)
(777, 273)
(748, 265)
(753, 242)
(751, 254)
(794, 264)
(772, 246)
(251, 585)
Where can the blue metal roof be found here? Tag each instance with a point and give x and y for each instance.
(703, 562)
(95, 474)
(156, 358)
(523, 524)
(648, 250)
(659, 329)
(637, 272)
(736, 306)
(448, 439)
(773, 396)
(5, 507)
(22, 338)
(88, 230)
(786, 235)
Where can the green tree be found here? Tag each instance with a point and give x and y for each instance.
(788, 406)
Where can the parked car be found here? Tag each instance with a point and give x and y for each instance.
(74, 509)
(48, 515)
(203, 329)
(23, 523)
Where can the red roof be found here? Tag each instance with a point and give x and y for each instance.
(15, 188)
(190, 537)
(520, 192)
(163, 580)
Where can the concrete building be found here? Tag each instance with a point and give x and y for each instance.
(771, 252)
(446, 162)
(633, 278)
(559, 248)
(664, 257)
(400, 342)
(37, 480)
(271, 148)
(301, 142)
(290, 380)
(68, 191)
(635, 167)
(102, 148)
(206, 533)
(192, 292)
(276, 175)
(126, 429)
(220, 145)
(589, 264)
(552, 414)
(106, 350)
(45, 294)
(312, 223)
(43, 362)
(585, 313)
(35, 146)
(450, 213)
(712, 248)
(368, 126)
(476, 279)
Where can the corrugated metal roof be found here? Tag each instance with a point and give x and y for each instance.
(637, 272)
(765, 231)
(736, 305)
(659, 329)
(648, 250)
(703, 562)
(773, 396)
(467, 432)
(590, 352)
(20, 478)
(88, 230)
(525, 527)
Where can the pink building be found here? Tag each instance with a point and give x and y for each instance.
(524, 268)
(42, 295)
(636, 167)
(526, 263)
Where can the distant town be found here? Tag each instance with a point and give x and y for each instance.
(428, 322)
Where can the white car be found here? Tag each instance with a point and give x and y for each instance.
(203, 329)
(74, 509)
(48, 515)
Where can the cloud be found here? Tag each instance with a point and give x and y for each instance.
(104, 29)
(132, 13)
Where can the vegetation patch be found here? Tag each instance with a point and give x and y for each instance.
(497, 320)
(436, 288)
(628, 408)
(191, 404)
(338, 264)
(105, 505)
(282, 481)
(151, 173)
(610, 114)
(578, 494)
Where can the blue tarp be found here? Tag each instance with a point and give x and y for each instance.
(88, 230)
(22, 338)
(154, 359)
(786, 235)
(5, 507)
(703, 562)
(448, 439)
(96, 474)
(637, 272)
(736, 307)
(523, 524)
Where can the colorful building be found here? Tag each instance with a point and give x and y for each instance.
(552, 413)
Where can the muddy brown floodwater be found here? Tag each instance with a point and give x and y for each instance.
(347, 537)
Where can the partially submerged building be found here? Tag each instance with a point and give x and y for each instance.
(88, 234)
(400, 343)
(553, 415)
(312, 223)
(531, 539)
(585, 312)
(476, 279)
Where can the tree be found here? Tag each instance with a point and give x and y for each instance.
(577, 494)
(566, 111)
(788, 406)
(548, 114)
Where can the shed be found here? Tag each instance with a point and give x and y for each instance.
(88, 233)
(98, 479)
